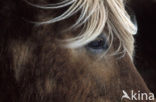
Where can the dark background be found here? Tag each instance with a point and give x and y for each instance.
(145, 54)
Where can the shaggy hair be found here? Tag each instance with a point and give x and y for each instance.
(94, 17)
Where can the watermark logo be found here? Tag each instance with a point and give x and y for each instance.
(137, 96)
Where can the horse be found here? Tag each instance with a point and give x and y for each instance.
(68, 51)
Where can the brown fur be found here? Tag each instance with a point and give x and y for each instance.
(37, 69)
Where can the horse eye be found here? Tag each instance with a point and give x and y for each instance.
(98, 45)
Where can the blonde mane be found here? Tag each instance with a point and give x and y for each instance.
(95, 15)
